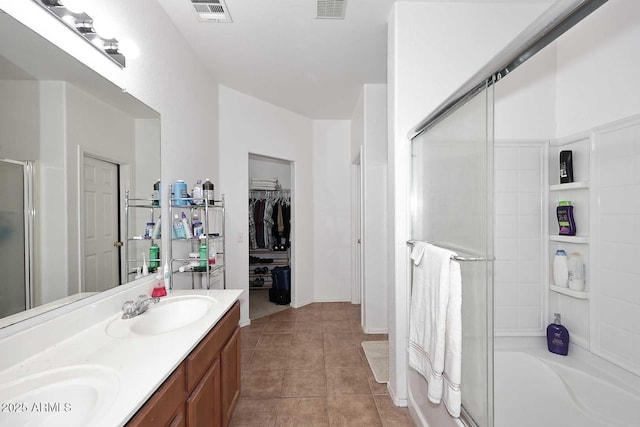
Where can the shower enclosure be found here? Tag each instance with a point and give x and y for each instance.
(452, 207)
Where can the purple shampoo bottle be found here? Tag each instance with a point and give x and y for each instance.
(557, 337)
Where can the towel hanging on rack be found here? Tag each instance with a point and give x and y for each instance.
(435, 328)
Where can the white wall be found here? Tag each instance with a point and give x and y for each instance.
(369, 128)
(249, 125)
(331, 210)
(19, 117)
(429, 56)
(357, 128)
(598, 68)
(525, 100)
(52, 276)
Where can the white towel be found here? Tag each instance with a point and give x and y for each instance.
(435, 330)
(264, 180)
(453, 343)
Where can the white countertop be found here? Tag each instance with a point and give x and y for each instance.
(133, 367)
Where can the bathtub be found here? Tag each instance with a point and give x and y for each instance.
(534, 388)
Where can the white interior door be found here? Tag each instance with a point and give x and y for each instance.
(356, 231)
(100, 258)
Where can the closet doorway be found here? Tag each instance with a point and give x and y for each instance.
(270, 207)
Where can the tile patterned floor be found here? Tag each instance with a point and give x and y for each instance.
(305, 367)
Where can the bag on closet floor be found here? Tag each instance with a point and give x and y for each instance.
(281, 277)
(280, 293)
(279, 297)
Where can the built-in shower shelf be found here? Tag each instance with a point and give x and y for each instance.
(570, 292)
(569, 239)
(569, 186)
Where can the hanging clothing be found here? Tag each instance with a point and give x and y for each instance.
(252, 224)
(267, 219)
(269, 226)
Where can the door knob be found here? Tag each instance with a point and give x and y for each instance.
(359, 241)
(118, 244)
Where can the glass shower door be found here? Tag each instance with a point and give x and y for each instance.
(14, 237)
(452, 207)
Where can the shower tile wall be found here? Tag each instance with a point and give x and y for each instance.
(616, 244)
(518, 238)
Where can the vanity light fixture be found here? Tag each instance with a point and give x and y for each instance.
(82, 24)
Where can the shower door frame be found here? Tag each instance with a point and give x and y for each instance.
(28, 171)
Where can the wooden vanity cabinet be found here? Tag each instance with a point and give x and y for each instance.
(230, 376)
(204, 389)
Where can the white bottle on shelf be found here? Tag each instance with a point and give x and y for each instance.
(576, 272)
(560, 269)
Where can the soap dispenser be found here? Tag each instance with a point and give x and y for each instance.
(557, 337)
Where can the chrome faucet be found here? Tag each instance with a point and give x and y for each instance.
(132, 309)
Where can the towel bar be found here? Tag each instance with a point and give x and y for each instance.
(457, 257)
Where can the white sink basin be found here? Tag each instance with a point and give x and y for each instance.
(71, 396)
(168, 315)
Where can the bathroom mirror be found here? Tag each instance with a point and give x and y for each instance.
(71, 145)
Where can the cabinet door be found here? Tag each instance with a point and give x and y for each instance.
(203, 408)
(168, 401)
(230, 371)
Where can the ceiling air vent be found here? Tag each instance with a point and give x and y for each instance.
(331, 9)
(211, 10)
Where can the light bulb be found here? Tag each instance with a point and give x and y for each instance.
(70, 20)
(74, 6)
(97, 42)
(104, 29)
(129, 49)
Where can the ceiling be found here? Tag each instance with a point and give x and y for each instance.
(279, 52)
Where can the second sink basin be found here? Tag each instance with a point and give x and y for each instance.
(71, 396)
(169, 314)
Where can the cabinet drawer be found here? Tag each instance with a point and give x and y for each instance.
(162, 408)
(203, 355)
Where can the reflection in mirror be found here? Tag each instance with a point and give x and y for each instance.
(71, 145)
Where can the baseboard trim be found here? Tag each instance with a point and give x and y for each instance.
(375, 330)
(401, 402)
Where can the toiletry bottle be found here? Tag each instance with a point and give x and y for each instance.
(180, 192)
(576, 272)
(207, 188)
(154, 256)
(198, 193)
(148, 230)
(178, 227)
(198, 230)
(560, 269)
(566, 166)
(557, 337)
(157, 229)
(166, 275)
(187, 226)
(566, 223)
(155, 198)
(158, 287)
(145, 267)
(203, 255)
(213, 253)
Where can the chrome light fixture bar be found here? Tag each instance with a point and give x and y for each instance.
(82, 25)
